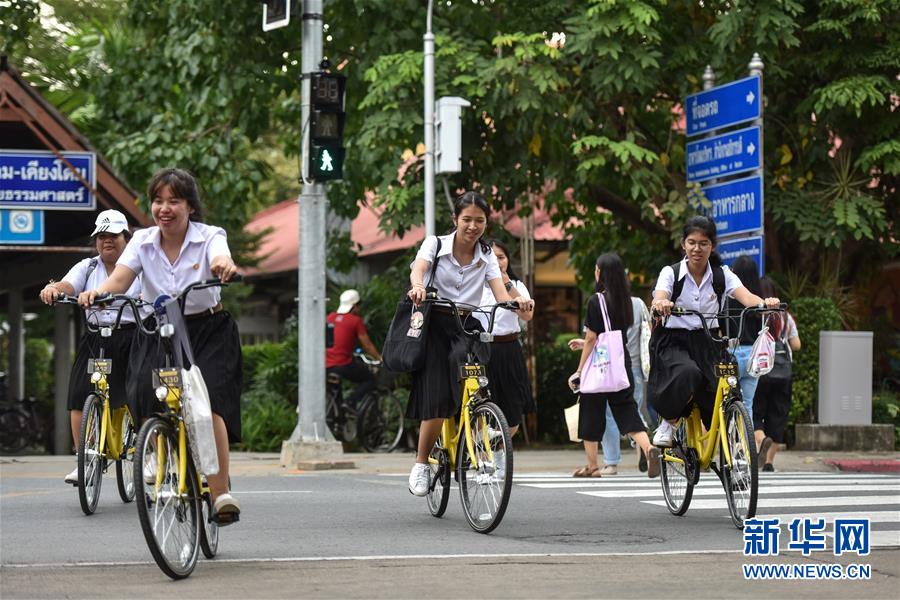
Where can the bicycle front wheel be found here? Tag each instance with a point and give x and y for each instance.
(125, 464)
(90, 463)
(209, 532)
(741, 477)
(438, 479)
(169, 518)
(485, 479)
(678, 470)
(381, 423)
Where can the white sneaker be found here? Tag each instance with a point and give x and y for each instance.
(664, 435)
(419, 479)
(72, 478)
(150, 471)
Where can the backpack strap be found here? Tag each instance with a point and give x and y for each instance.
(87, 274)
(718, 283)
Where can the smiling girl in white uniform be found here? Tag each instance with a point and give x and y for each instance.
(178, 251)
(466, 263)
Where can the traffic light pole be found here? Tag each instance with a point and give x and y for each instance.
(311, 440)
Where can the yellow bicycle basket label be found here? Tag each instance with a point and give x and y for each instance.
(166, 377)
(466, 371)
(725, 370)
(99, 365)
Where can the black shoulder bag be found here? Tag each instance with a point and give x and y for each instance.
(404, 346)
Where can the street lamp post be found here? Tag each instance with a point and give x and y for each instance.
(428, 38)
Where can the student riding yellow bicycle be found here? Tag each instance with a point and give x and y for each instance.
(730, 432)
(477, 448)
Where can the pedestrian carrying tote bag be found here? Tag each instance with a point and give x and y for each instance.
(605, 371)
(781, 372)
(404, 345)
(762, 354)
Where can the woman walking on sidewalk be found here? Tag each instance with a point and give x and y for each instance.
(612, 285)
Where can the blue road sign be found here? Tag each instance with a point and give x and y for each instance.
(31, 179)
(21, 227)
(737, 206)
(753, 247)
(726, 154)
(729, 104)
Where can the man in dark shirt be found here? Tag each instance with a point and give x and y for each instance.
(350, 330)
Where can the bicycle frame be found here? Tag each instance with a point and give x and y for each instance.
(451, 434)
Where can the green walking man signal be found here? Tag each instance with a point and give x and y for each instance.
(326, 140)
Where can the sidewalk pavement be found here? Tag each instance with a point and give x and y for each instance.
(562, 461)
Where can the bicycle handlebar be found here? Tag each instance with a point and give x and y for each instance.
(760, 308)
(133, 303)
(433, 298)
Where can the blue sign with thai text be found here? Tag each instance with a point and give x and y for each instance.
(726, 154)
(753, 247)
(21, 226)
(31, 179)
(737, 206)
(723, 106)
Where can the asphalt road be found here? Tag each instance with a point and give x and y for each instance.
(352, 534)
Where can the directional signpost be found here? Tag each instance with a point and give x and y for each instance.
(717, 156)
(729, 104)
(731, 249)
(737, 206)
(727, 154)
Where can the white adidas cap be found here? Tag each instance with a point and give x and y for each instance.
(110, 221)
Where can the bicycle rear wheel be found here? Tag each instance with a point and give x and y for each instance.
(125, 464)
(741, 477)
(209, 531)
(14, 429)
(381, 422)
(90, 463)
(485, 479)
(438, 479)
(170, 520)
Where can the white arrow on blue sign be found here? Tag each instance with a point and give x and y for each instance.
(726, 154)
(753, 247)
(737, 206)
(21, 226)
(723, 106)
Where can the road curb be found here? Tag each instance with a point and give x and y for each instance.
(866, 466)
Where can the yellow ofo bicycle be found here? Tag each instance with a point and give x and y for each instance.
(106, 433)
(730, 433)
(477, 448)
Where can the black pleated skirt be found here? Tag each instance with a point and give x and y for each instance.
(592, 410)
(217, 351)
(510, 383)
(435, 390)
(681, 368)
(118, 348)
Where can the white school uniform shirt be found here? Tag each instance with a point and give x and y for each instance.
(702, 299)
(505, 321)
(462, 284)
(202, 243)
(79, 279)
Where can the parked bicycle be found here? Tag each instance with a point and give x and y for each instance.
(377, 422)
(21, 425)
(730, 432)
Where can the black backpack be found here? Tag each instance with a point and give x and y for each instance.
(718, 283)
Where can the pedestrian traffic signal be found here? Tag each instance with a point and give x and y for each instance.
(326, 126)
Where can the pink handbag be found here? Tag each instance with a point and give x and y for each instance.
(605, 371)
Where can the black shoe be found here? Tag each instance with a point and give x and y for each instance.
(768, 468)
(642, 461)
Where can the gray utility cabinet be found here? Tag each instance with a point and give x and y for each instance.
(845, 377)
